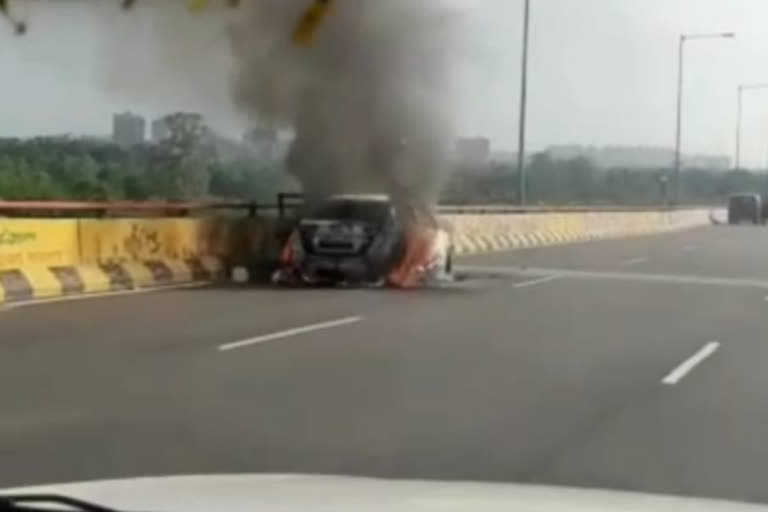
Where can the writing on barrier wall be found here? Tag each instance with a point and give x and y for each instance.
(30, 242)
(117, 240)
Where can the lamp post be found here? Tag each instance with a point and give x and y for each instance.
(521, 184)
(678, 132)
(742, 88)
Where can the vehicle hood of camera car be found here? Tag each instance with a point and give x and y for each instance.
(288, 493)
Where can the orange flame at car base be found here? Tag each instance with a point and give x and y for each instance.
(420, 248)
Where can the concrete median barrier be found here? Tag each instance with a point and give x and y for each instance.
(494, 232)
(44, 258)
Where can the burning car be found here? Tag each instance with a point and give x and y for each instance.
(365, 240)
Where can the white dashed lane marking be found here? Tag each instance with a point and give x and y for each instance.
(534, 282)
(288, 333)
(687, 366)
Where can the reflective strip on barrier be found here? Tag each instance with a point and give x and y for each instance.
(139, 274)
(43, 282)
(94, 279)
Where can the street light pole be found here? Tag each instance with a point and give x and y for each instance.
(679, 126)
(739, 116)
(678, 131)
(521, 185)
(737, 160)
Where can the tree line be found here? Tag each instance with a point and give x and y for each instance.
(578, 181)
(190, 164)
(193, 165)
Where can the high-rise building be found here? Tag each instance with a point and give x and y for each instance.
(159, 129)
(128, 129)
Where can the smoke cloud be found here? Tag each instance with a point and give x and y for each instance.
(370, 100)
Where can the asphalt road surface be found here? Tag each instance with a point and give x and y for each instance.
(635, 364)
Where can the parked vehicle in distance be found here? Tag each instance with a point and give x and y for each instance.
(745, 207)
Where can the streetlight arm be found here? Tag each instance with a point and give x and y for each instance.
(713, 35)
(746, 87)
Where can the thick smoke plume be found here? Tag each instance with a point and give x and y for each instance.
(369, 100)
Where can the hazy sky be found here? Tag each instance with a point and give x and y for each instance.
(601, 72)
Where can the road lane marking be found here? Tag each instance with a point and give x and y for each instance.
(288, 333)
(689, 364)
(501, 271)
(10, 306)
(534, 282)
(690, 247)
(635, 261)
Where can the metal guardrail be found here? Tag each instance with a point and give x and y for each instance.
(285, 203)
(506, 209)
(105, 208)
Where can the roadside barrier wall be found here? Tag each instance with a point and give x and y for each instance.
(493, 232)
(44, 258)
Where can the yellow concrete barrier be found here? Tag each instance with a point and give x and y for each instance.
(48, 258)
(482, 233)
(25, 243)
(119, 240)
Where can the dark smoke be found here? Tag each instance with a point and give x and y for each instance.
(369, 100)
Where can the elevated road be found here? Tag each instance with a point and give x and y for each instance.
(636, 364)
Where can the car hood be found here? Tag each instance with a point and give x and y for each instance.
(289, 493)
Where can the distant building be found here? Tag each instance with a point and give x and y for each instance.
(178, 124)
(159, 129)
(473, 152)
(637, 157)
(186, 124)
(128, 129)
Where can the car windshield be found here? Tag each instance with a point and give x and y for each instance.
(350, 209)
(494, 241)
(743, 201)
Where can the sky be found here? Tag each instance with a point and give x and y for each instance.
(601, 72)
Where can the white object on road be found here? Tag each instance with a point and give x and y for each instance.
(534, 282)
(240, 275)
(635, 261)
(291, 332)
(692, 362)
